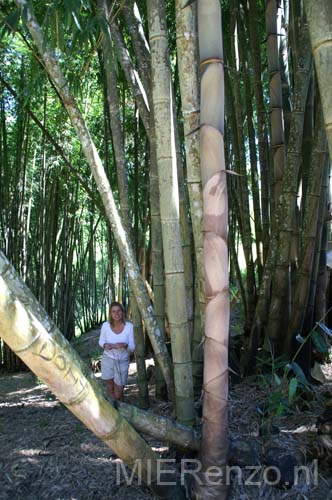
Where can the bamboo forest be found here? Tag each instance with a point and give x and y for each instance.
(165, 249)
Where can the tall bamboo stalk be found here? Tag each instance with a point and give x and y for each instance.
(280, 299)
(319, 15)
(186, 229)
(243, 181)
(215, 421)
(187, 50)
(262, 135)
(157, 252)
(169, 211)
(276, 111)
(252, 148)
(302, 288)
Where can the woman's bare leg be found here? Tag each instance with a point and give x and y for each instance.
(110, 387)
(118, 392)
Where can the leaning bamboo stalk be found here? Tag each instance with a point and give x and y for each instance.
(131, 76)
(89, 149)
(183, 437)
(139, 44)
(215, 218)
(32, 335)
(319, 15)
(161, 428)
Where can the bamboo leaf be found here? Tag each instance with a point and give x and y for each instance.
(299, 373)
(277, 379)
(292, 389)
(325, 329)
(76, 21)
(11, 23)
(319, 343)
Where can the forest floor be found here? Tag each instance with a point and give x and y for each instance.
(46, 453)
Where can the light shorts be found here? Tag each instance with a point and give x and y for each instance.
(116, 369)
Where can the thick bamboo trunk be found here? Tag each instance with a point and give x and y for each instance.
(104, 188)
(186, 42)
(302, 288)
(276, 111)
(214, 447)
(31, 334)
(186, 228)
(284, 66)
(319, 15)
(187, 50)
(169, 211)
(157, 254)
(280, 299)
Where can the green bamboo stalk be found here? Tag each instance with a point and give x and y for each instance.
(252, 149)
(169, 211)
(244, 190)
(187, 50)
(276, 111)
(262, 136)
(157, 254)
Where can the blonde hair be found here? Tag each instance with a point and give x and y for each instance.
(117, 304)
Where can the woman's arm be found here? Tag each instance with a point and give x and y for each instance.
(102, 338)
(131, 340)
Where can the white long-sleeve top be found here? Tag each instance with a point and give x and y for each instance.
(107, 336)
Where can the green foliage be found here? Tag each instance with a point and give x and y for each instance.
(287, 380)
(285, 389)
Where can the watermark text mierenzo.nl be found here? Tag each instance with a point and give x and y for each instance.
(162, 472)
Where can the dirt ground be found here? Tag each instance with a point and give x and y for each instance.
(46, 453)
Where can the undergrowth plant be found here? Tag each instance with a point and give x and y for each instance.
(287, 383)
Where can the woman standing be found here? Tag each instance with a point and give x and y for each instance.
(117, 340)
